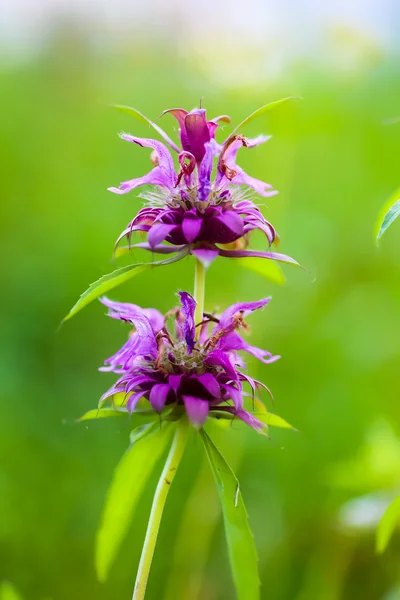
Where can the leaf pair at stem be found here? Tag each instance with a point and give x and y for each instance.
(130, 479)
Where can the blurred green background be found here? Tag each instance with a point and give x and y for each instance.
(314, 497)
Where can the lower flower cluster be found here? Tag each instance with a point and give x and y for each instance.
(179, 365)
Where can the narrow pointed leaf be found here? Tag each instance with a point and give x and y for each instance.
(102, 413)
(106, 283)
(387, 525)
(273, 420)
(129, 480)
(241, 548)
(133, 112)
(266, 268)
(112, 280)
(388, 214)
(262, 111)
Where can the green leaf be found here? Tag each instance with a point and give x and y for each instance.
(387, 525)
(273, 420)
(106, 283)
(241, 548)
(388, 214)
(262, 111)
(102, 413)
(112, 280)
(266, 268)
(133, 112)
(8, 592)
(129, 480)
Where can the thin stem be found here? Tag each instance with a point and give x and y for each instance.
(167, 477)
(199, 291)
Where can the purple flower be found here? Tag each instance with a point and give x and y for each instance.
(174, 369)
(189, 208)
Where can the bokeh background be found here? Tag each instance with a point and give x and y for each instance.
(315, 496)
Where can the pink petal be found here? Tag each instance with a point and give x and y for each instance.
(197, 410)
(205, 255)
(158, 396)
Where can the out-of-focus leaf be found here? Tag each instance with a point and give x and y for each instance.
(241, 547)
(388, 214)
(387, 525)
(266, 268)
(262, 111)
(102, 413)
(130, 478)
(133, 112)
(112, 280)
(8, 592)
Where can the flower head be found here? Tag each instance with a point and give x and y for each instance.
(188, 207)
(179, 370)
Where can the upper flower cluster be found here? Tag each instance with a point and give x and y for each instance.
(188, 366)
(189, 208)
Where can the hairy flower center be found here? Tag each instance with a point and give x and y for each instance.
(188, 198)
(173, 358)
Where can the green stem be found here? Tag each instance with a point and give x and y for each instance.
(167, 477)
(199, 291)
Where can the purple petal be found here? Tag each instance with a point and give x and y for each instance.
(235, 395)
(125, 308)
(233, 341)
(230, 172)
(232, 221)
(227, 321)
(210, 383)
(197, 410)
(197, 133)
(158, 233)
(260, 139)
(212, 128)
(254, 253)
(156, 177)
(134, 399)
(155, 317)
(233, 144)
(191, 226)
(133, 314)
(221, 359)
(250, 381)
(161, 249)
(129, 110)
(165, 160)
(126, 357)
(206, 170)
(261, 354)
(128, 233)
(188, 310)
(134, 382)
(248, 418)
(262, 188)
(174, 382)
(158, 396)
(205, 255)
(179, 114)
